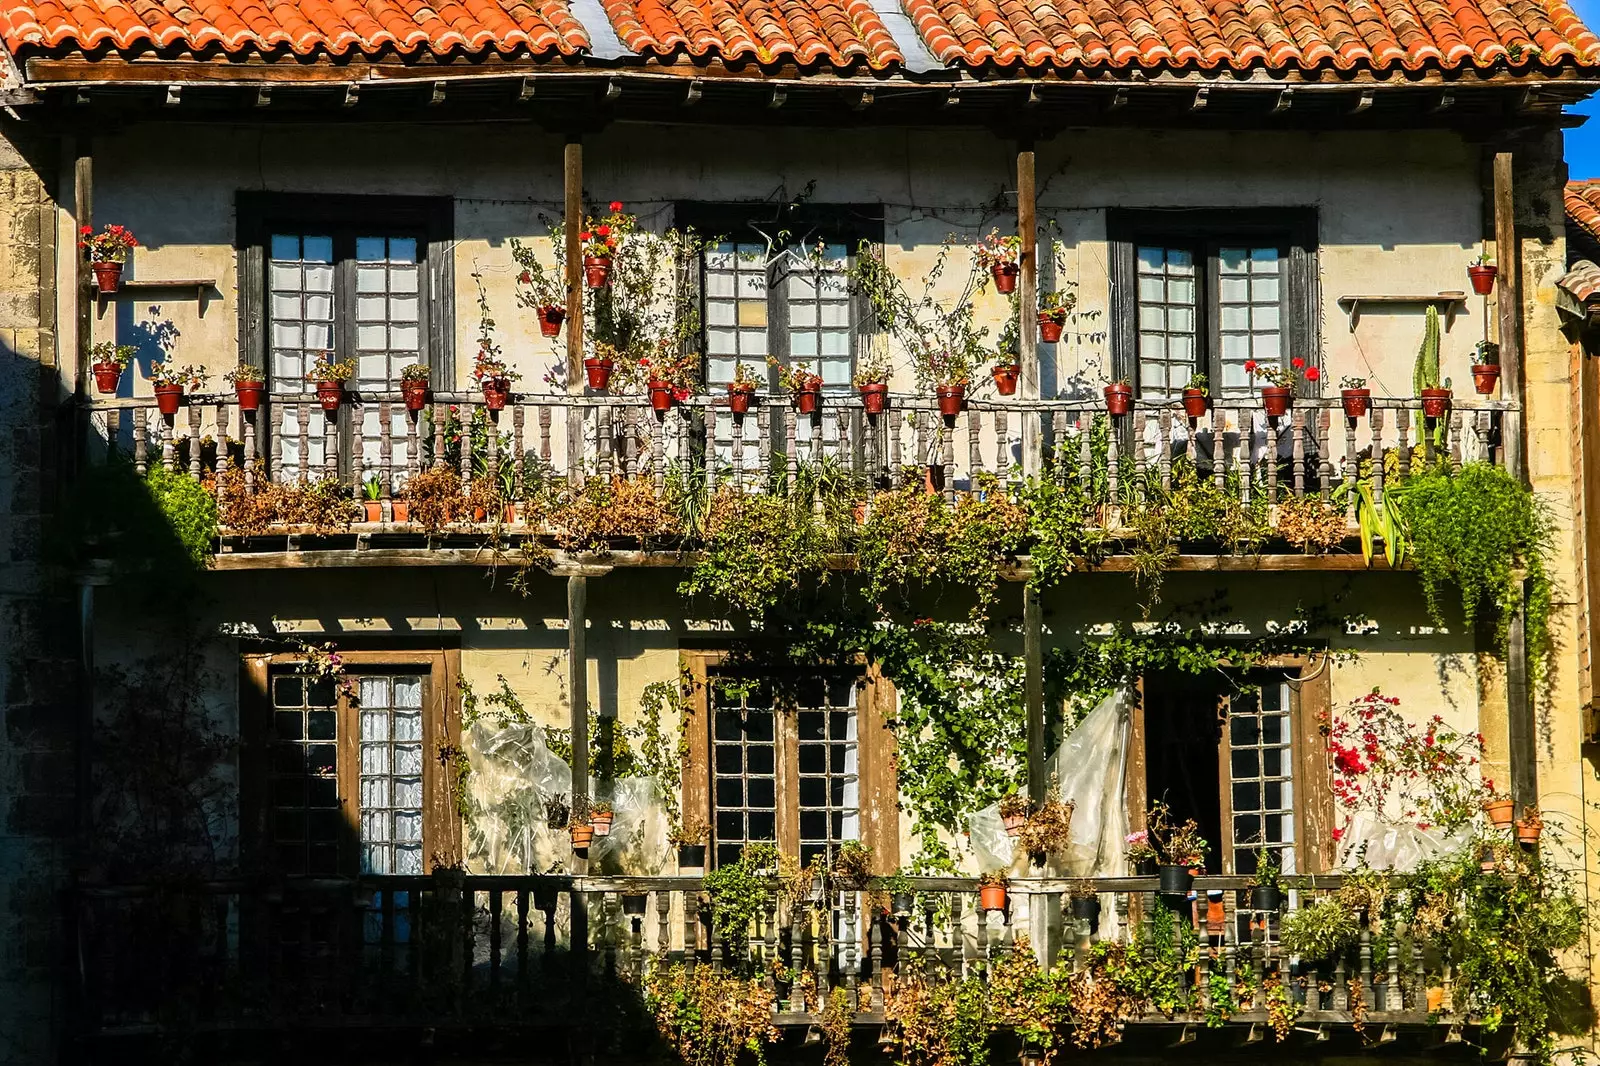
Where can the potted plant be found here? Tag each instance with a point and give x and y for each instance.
(601, 815)
(1119, 397)
(1179, 851)
(541, 288)
(1054, 307)
(742, 389)
(691, 838)
(330, 378)
(1049, 827)
(110, 360)
(600, 238)
(1266, 884)
(1436, 401)
(803, 386)
(666, 377)
(1197, 396)
(1014, 809)
(414, 379)
(582, 834)
(897, 886)
(1085, 903)
(1278, 396)
(1319, 930)
(852, 865)
(951, 373)
(1354, 395)
(372, 498)
(1500, 807)
(1530, 825)
(998, 255)
(992, 887)
(1485, 367)
(1005, 372)
(633, 903)
(107, 251)
(170, 382)
(248, 384)
(1482, 271)
(489, 368)
(599, 368)
(872, 381)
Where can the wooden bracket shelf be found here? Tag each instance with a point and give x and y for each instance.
(201, 287)
(1450, 302)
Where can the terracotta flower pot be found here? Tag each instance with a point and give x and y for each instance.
(1528, 833)
(599, 371)
(496, 391)
(601, 821)
(1005, 277)
(1435, 402)
(1276, 399)
(1050, 328)
(107, 275)
(1195, 403)
(992, 897)
(597, 271)
(808, 396)
(582, 836)
(169, 398)
(1482, 275)
(1501, 812)
(249, 394)
(330, 394)
(374, 510)
(401, 509)
(660, 396)
(1435, 999)
(1175, 880)
(1014, 823)
(1485, 376)
(106, 377)
(739, 399)
(550, 319)
(415, 394)
(874, 397)
(952, 398)
(1119, 398)
(1355, 401)
(1005, 378)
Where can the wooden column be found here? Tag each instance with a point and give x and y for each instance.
(84, 297)
(573, 180)
(1028, 299)
(1508, 311)
(1033, 690)
(578, 682)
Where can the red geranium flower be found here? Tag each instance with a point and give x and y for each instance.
(1297, 362)
(1249, 366)
(86, 229)
(1313, 374)
(585, 235)
(603, 230)
(616, 205)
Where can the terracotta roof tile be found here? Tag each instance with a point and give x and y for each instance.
(1583, 207)
(305, 27)
(838, 32)
(1244, 34)
(1582, 281)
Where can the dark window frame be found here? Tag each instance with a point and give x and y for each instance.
(1292, 229)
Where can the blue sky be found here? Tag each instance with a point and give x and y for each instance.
(1583, 143)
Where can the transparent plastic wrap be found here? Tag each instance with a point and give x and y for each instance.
(1397, 846)
(637, 843)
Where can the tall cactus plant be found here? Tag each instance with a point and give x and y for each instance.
(1425, 374)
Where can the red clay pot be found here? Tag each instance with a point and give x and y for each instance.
(1485, 376)
(106, 377)
(660, 396)
(107, 275)
(496, 391)
(599, 371)
(1528, 834)
(1050, 328)
(1355, 401)
(874, 397)
(169, 398)
(1014, 823)
(1501, 812)
(374, 509)
(1119, 398)
(597, 271)
(415, 394)
(582, 836)
(1435, 402)
(952, 398)
(1195, 402)
(401, 509)
(1005, 277)
(739, 399)
(808, 396)
(550, 319)
(330, 394)
(249, 394)
(1005, 378)
(992, 897)
(601, 821)
(1482, 275)
(1276, 399)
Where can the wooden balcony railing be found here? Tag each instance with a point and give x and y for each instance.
(467, 950)
(1308, 452)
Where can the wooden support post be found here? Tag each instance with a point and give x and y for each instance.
(1508, 310)
(1033, 690)
(572, 177)
(83, 211)
(578, 682)
(1028, 301)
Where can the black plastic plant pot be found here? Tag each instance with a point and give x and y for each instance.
(1175, 880)
(902, 903)
(692, 856)
(1087, 909)
(634, 904)
(1266, 897)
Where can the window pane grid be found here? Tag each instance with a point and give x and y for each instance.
(304, 782)
(818, 297)
(828, 770)
(391, 774)
(1249, 306)
(735, 310)
(300, 299)
(388, 316)
(744, 779)
(1168, 309)
(1261, 777)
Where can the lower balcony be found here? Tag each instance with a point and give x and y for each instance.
(476, 953)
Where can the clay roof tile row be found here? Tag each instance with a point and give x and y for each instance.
(1208, 35)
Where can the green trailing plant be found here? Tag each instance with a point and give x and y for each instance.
(1319, 930)
(190, 512)
(852, 865)
(838, 1014)
(758, 550)
(740, 890)
(710, 1017)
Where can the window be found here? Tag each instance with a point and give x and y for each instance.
(802, 762)
(352, 779)
(350, 276)
(1207, 292)
(1242, 757)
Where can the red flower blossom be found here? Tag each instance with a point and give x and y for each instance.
(616, 205)
(585, 235)
(1338, 834)
(603, 230)
(1298, 363)
(525, 278)
(1313, 374)
(86, 229)
(1249, 366)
